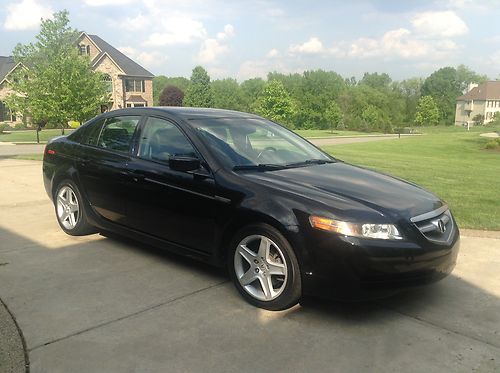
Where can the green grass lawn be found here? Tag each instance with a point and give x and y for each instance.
(448, 161)
(328, 133)
(30, 135)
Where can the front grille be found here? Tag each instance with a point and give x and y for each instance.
(436, 226)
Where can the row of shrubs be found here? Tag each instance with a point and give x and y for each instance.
(18, 126)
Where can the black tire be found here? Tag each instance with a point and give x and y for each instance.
(291, 292)
(82, 227)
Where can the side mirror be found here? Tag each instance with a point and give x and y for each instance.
(184, 163)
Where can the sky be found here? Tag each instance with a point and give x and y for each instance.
(246, 39)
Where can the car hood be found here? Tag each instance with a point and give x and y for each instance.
(380, 192)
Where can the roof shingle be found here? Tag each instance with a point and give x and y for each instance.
(128, 66)
(6, 65)
(486, 91)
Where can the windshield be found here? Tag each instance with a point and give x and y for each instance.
(243, 142)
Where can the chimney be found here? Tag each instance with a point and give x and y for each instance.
(471, 86)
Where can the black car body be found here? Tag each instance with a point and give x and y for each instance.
(197, 212)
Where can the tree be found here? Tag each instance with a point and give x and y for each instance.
(376, 80)
(228, 95)
(444, 88)
(465, 76)
(334, 115)
(427, 111)
(276, 104)
(250, 90)
(171, 96)
(57, 84)
(160, 82)
(199, 93)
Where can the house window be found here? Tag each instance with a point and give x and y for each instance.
(84, 50)
(5, 114)
(134, 85)
(106, 78)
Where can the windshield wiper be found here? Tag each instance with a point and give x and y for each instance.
(309, 162)
(259, 167)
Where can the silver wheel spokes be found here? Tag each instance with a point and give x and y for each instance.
(67, 207)
(260, 267)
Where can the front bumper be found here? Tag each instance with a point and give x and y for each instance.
(350, 268)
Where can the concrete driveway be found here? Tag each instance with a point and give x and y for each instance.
(98, 304)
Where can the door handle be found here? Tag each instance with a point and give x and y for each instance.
(136, 176)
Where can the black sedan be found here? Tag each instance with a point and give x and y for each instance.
(234, 189)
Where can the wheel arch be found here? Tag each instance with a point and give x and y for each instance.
(243, 219)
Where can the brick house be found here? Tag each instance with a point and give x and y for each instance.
(7, 67)
(130, 85)
(482, 99)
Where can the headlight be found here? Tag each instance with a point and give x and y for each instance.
(378, 231)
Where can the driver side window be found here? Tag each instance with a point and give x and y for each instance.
(161, 139)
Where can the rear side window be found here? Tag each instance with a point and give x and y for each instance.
(117, 133)
(92, 133)
(161, 140)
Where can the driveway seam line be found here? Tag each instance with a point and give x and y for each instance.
(440, 327)
(150, 308)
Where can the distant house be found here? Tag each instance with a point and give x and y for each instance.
(129, 84)
(7, 67)
(482, 99)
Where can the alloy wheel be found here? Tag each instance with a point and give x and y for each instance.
(68, 209)
(260, 267)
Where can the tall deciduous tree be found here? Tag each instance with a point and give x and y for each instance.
(171, 96)
(276, 104)
(199, 93)
(427, 111)
(228, 95)
(57, 84)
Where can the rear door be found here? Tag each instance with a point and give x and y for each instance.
(102, 165)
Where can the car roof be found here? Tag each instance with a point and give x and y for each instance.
(185, 112)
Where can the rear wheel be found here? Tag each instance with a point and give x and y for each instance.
(70, 211)
(264, 268)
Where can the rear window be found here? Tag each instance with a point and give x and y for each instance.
(117, 133)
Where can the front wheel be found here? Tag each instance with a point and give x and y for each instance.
(264, 268)
(70, 211)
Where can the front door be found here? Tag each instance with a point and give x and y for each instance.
(176, 206)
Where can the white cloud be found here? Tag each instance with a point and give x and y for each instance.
(439, 24)
(210, 50)
(273, 53)
(177, 30)
(312, 46)
(147, 59)
(259, 68)
(227, 33)
(26, 15)
(401, 43)
(106, 2)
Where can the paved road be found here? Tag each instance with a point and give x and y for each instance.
(8, 150)
(97, 304)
